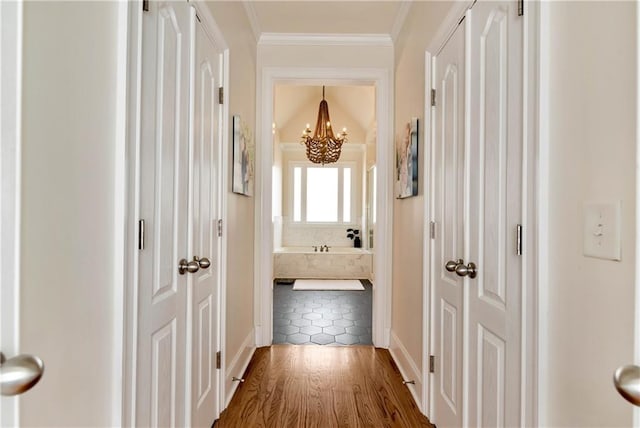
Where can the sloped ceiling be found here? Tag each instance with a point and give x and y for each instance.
(351, 106)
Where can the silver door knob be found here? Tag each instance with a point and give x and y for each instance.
(627, 382)
(451, 265)
(185, 266)
(19, 374)
(203, 262)
(468, 270)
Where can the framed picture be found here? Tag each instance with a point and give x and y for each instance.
(407, 161)
(242, 158)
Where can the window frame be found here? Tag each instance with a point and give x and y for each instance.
(341, 166)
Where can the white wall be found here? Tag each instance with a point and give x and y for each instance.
(276, 201)
(591, 143)
(69, 226)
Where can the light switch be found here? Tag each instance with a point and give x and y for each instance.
(602, 230)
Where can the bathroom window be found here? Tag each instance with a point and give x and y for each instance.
(322, 194)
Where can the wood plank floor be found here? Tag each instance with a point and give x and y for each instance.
(322, 386)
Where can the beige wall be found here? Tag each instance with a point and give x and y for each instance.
(231, 18)
(69, 207)
(591, 120)
(325, 56)
(408, 214)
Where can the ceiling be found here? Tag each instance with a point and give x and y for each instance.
(327, 17)
(353, 103)
(360, 17)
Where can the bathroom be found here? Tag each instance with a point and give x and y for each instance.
(323, 218)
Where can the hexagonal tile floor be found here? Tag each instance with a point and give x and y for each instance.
(321, 317)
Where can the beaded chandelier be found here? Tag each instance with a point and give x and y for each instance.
(324, 147)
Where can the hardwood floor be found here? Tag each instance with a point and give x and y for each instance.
(322, 386)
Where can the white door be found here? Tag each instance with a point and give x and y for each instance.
(494, 303)
(205, 242)
(17, 373)
(164, 162)
(448, 245)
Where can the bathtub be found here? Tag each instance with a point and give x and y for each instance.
(338, 263)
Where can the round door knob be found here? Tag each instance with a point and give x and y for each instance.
(468, 270)
(627, 382)
(185, 266)
(452, 265)
(19, 374)
(204, 263)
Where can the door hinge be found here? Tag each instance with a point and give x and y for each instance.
(433, 98)
(432, 364)
(432, 229)
(140, 234)
(218, 358)
(520, 7)
(219, 227)
(145, 5)
(519, 240)
(221, 95)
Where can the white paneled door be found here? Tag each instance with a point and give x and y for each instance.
(205, 243)
(177, 382)
(494, 304)
(477, 276)
(164, 198)
(448, 193)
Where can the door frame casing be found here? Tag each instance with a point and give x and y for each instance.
(533, 176)
(11, 30)
(132, 76)
(636, 409)
(382, 79)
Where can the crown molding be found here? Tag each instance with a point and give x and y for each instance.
(253, 19)
(401, 17)
(304, 39)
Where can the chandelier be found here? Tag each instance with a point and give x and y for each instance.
(324, 147)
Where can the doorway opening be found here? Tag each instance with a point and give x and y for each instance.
(289, 221)
(322, 263)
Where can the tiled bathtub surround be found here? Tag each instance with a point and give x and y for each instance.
(322, 317)
(306, 235)
(338, 263)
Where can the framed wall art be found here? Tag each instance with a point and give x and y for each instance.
(407, 161)
(242, 158)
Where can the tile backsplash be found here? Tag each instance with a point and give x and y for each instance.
(298, 235)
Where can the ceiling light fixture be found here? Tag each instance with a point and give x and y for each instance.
(324, 147)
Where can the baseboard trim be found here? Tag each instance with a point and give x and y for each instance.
(238, 366)
(408, 369)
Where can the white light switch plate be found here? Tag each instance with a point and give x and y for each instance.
(601, 237)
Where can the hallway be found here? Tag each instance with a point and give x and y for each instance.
(322, 386)
(145, 283)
